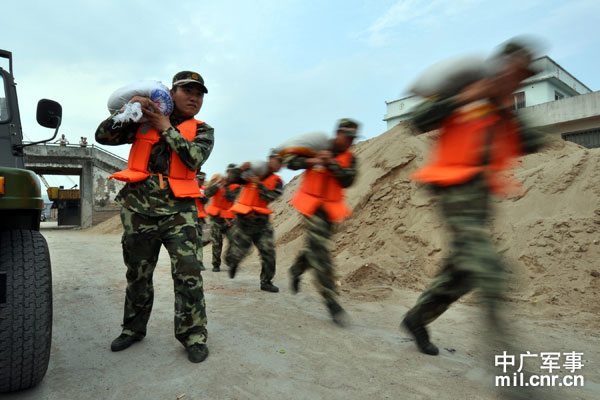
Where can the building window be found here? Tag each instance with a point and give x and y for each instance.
(558, 95)
(589, 138)
(519, 100)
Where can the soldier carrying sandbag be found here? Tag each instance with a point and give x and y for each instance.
(159, 208)
(252, 225)
(480, 138)
(320, 199)
(222, 193)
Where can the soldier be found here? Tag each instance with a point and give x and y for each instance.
(159, 209)
(252, 223)
(479, 136)
(320, 199)
(200, 202)
(222, 193)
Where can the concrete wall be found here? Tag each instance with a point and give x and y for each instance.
(567, 115)
(399, 110)
(105, 190)
(551, 69)
(92, 164)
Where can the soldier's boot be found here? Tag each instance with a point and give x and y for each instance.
(216, 268)
(123, 341)
(197, 352)
(294, 282)
(232, 271)
(419, 332)
(338, 315)
(202, 268)
(269, 287)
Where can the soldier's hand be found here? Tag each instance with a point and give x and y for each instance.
(311, 162)
(253, 179)
(145, 102)
(325, 156)
(156, 118)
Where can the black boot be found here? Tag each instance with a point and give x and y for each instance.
(197, 352)
(421, 336)
(269, 287)
(294, 282)
(232, 271)
(216, 268)
(338, 315)
(123, 342)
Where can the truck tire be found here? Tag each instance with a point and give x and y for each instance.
(25, 309)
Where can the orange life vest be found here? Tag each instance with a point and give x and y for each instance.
(250, 199)
(320, 188)
(182, 180)
(219, 206)
(458, 155)
(199, 204)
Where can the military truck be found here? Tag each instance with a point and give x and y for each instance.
(25, 275)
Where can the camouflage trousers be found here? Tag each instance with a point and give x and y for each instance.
(316, 256)
(218, 227)
(253, 229)
(199, 244)
(142, 239)
(473, 262)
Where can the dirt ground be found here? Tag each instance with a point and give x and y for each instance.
(277, 346)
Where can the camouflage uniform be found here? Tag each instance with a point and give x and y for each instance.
(316, 254)
(255, 228)
(219, 227)
(153, 216)
(200, 244)
(473, 261)
(200, 229)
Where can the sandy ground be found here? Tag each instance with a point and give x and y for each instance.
(274, 346)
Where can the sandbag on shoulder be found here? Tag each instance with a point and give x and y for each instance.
(306, 144)
(448, 77)
(257, 167)
(132, 112)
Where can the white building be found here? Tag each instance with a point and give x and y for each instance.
(553, 83)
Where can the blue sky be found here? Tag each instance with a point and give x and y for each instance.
(273, 69)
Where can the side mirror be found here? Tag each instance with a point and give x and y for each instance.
(49, 113)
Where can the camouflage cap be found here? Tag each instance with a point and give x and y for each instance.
(188, 77)
(526, 47)
(201, 175)
(231, 166)
(348, 127)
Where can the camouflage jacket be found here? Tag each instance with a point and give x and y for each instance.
(230, 195)
(430, 114)
(345, 176)
(146, 197)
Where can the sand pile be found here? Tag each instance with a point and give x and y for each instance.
(548, 236)
(109, 227)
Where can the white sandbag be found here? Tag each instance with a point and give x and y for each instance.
(132, 112)
(257, 167)
(448, 77)
(307, 144)
(155, 90)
